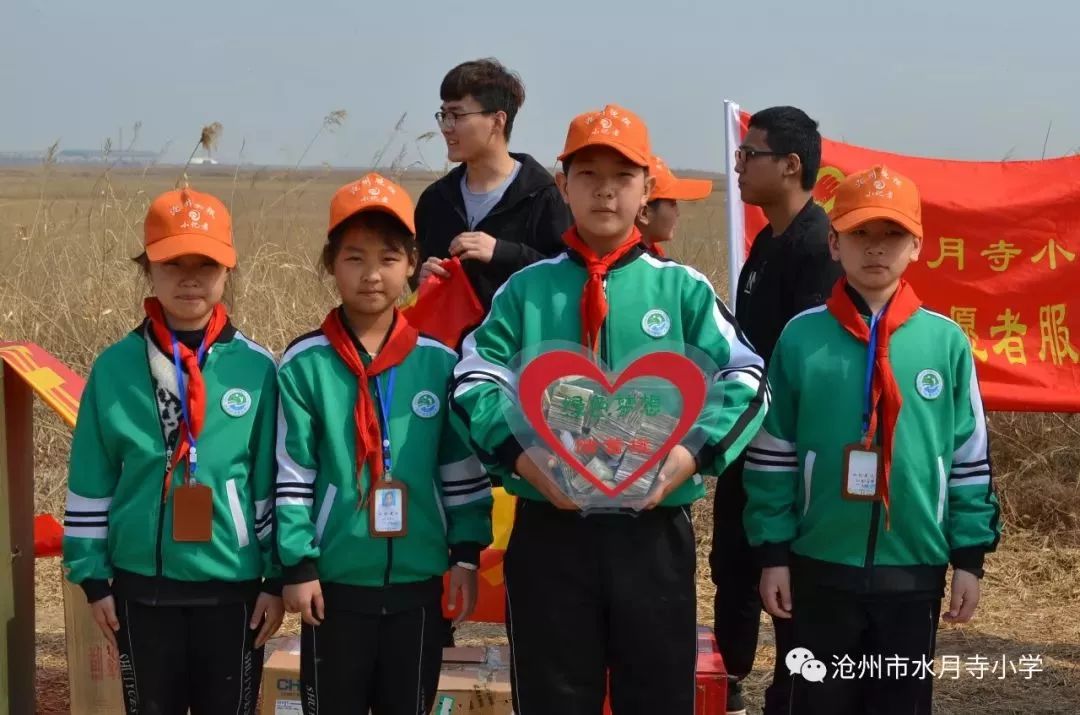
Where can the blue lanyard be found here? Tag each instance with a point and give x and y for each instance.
(181, 384)
(386, 400)
(871, 352)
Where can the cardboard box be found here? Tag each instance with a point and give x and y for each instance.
(93, 669)
(473, 680)
(477, 680)
(281, 677)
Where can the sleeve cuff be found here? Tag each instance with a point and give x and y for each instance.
(302, 572)
(508, 452)
(703, 455)
(272, 586)
(969, 559)
(468, 552)
(773, 554)
(96, 589)
(506, 253)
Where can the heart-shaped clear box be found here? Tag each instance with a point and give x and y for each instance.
(608, 431)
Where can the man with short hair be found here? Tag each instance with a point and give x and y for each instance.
(789, 270)
(497, 211)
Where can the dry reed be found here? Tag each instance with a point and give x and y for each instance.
(66, 283)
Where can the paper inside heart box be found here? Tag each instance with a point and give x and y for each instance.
(610, 432)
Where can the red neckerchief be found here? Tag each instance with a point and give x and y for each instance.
(399, 343)
(594, 307)
(885, 391)
(657, 250)
(196, 387)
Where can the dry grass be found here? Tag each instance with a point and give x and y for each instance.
(66, 235)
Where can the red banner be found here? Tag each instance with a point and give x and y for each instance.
(1001, 250)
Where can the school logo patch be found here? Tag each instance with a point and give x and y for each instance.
(425, 404)
(656, 323)
(236, 402)
(929, 384)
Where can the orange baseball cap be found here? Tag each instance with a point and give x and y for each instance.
(669, 186)
(877, 193)
(185, 222)
(373, 192)
(612, 126)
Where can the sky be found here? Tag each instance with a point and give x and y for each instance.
(963, 79)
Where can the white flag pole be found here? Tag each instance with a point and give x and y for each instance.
(735, 222)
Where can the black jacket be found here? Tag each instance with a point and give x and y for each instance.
(783, 276)
(527, 223)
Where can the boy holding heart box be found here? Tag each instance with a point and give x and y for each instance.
(858, 511)
(598, 595)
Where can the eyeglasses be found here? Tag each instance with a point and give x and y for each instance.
(448, 120)
(746, 153)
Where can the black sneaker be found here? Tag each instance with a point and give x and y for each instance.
(735, 704)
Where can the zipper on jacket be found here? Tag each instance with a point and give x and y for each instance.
(389, 561)
(463, 216)
(754, 269)
(371, 491)
(458, 209)
(158, 558)
(753, 278)
(605, 335)
(875, 524)
(871, 543)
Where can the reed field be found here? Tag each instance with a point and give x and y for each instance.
(67, 234)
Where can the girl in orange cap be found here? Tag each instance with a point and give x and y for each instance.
(658, 220)
(378, 493)
(168, 522)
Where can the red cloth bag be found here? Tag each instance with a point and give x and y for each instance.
(445, 308)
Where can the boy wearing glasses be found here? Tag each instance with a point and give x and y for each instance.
(789, 270)
(497, 211)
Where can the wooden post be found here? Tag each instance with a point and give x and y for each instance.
(17, 656)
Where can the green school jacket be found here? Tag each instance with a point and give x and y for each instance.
(116, 524)
(942, 501)
(321, 533)
(652, 302)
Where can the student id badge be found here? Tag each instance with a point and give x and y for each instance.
(193, 513)
(388, 508)
(863, 472)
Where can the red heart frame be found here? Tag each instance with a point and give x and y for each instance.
(677, 369)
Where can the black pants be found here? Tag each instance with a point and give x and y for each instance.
(831, 624)
(173, 658)
(737, 607)
(356, 662)
(588, 598)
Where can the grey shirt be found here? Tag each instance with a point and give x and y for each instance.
(477, 206)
